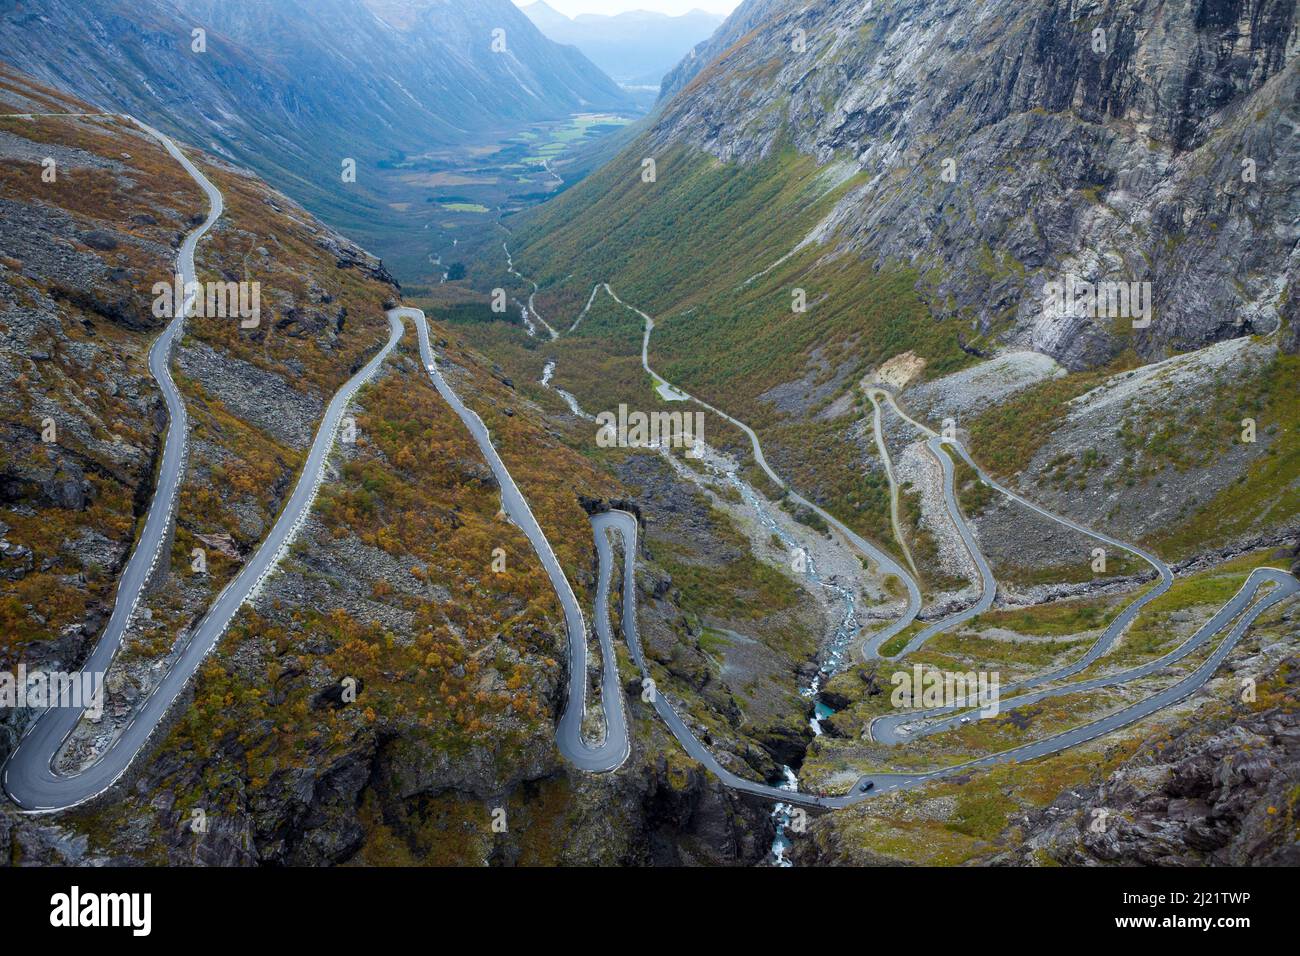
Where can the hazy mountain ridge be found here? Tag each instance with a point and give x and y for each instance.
(292, 88)
(637, 47)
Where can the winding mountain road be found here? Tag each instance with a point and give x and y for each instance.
(31, 781)
(616, 746)
(530, 308)
(1264, 588)
(883, 450)
(49, 732)
(988, 586)
(887, 729)
(1277, 585)
(887, 565)
(29, 777)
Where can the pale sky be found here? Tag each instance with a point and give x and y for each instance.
(672, 7)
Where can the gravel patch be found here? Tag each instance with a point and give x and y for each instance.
(974, 389)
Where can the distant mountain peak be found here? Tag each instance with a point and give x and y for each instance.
(543, 14)
(635, 47)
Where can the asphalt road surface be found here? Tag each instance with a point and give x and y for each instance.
(29, 777)
(615, 748)
(1240, 608)
(1274, 585)
(888, 729)
(56, 724)
(886, 564)
(30, 780)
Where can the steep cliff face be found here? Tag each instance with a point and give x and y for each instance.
(744, 18)
(925, 172)
(1008, 145)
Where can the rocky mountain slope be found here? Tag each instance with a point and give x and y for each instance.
(790, 221)
(807, 161)
(742, 20)
(1135, 142)
(1003, 146)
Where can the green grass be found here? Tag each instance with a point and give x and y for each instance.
(1268, 493)
(981, 812)
(1006, 437)
(682, 248)
(1013, 659)
(1059, 619)
(744, 589)
(973, 495)
(899, 641)
(1118, 564)
(698, 212)
(712, 641)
